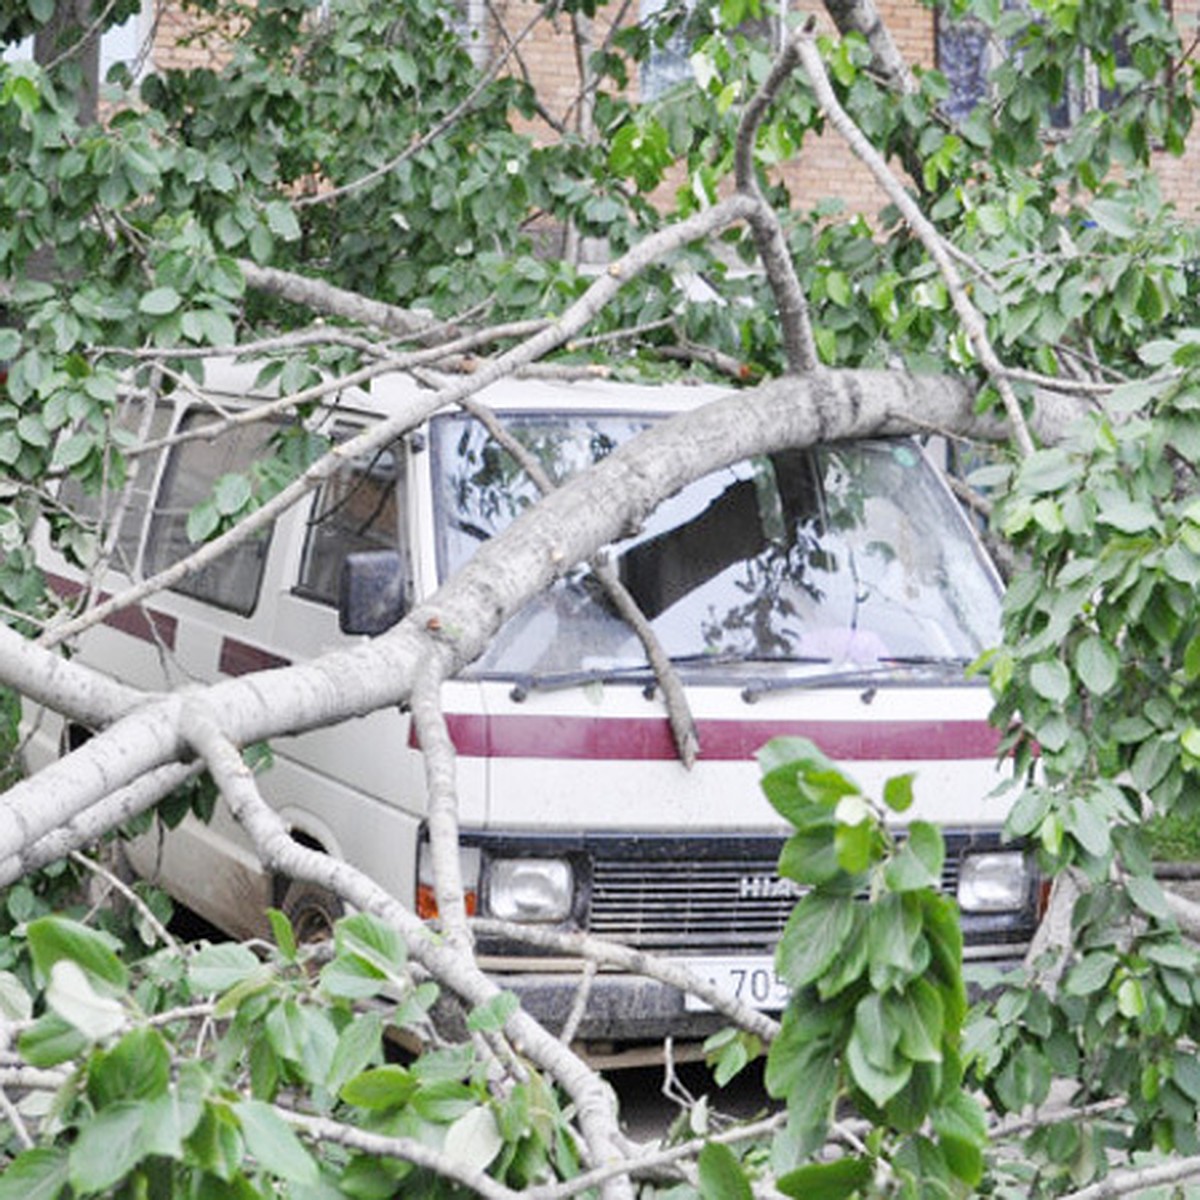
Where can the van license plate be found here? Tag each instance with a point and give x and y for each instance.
(751, 980)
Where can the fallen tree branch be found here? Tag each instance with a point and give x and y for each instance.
(588, 511)
(969, 316)
(445, 963)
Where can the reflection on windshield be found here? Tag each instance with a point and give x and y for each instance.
(850, 554)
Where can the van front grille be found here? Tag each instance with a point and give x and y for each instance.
(724, 904)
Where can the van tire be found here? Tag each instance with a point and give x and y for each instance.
(312, 911)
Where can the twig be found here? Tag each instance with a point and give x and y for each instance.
(578, 1004)
(637, 962)
(1126, 1183)
(119, 885)
(649, 1163)
(9, 1109)
(679, 712)
(403, 1148)
(439, 756)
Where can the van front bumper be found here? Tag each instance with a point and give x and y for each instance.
(622, 1008)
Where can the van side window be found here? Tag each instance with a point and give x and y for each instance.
(233, 580)
(357, 509)
(101, 506)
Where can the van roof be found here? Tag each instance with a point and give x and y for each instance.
(233, 379)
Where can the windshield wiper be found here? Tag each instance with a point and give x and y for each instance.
(549, 681)
(855, 673)
(552, 681)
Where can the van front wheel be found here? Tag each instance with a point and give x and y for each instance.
(312, 911)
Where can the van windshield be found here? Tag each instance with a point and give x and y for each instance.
(851, 554)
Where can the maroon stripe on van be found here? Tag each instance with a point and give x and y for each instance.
(145, 624)
(635, 739)
(240, 658)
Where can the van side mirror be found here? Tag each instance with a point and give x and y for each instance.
(372, 592)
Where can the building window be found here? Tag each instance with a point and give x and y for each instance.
(964, 57)
(968, 53)
(669, 64)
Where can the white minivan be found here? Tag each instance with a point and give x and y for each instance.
(835, 593)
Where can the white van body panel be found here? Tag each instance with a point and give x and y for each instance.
(583, 768)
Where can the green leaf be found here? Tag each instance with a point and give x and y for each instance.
(202, 522)
(922, 1022)
(108, 1147)
(810, 856)
(231, 493)
(389, 1086)
(10, 343)
(71, 995)
(876, 1031)
(216, 968)
(827, 1181)
(878, 1083)
(271, 1141)
(853, 844)
(814, 935)
(1097, 664)
(285, 935)
(1128, 516)
(1090, 974)
(159, 302)
(1088, 826)
(358, 1045)
(282, 221)
(918, 863)
(474, 1140)
(1115, 217)
(32, 431)
(1047, 471)
(51, 1040)
(16, 1004)
(1051, 680)
(491, 1017)
(443, 1102)
(138, 1067)
(1147, 894)
(721, 1175)
(898, 792)
(38, 1174)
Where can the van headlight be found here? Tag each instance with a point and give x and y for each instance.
(530, 889)
(994, 881)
